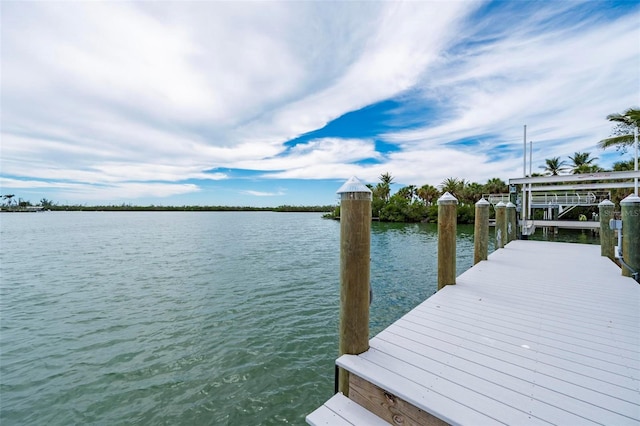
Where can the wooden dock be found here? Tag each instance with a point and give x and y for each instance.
(541, 333)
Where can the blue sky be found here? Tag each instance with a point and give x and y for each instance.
(271, 103)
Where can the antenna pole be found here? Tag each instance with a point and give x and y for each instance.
(524, 165)
(635, 142)
(530, 157)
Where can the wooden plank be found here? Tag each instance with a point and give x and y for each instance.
(542, 354)
(579, 339)
(473, 304)
(502, 393)
(614, 384)
(387, 406)
(600, 291)
(341, 411)
(602, 331)
(510, 379)
(545, 352)
(537, 342)
(531, 293)
(521, 312)
(414, 394)
(353, 412)
(324, 416)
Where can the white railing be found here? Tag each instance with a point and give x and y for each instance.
(568, 199)
(496, 198)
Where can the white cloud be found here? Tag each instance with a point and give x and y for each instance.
(175, 90)
(323, 151)
(562, 83)
(78, 192)
(262, 193)
(171, 90)
(398, 50)
(18, 183)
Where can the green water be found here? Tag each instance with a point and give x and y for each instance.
(187, 318)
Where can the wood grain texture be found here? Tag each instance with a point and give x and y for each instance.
(388, 406)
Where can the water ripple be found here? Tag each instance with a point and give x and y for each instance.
(185, 318)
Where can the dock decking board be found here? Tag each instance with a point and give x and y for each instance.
(541, 333)
(340, 411)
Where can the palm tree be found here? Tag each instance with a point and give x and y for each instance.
(496, 186)
(582, 163)
(553, 166)
(428, 194)
(453, 186)
(472, 193)
(622, 166)
(408, 192)
(384, 187)
(623, 131)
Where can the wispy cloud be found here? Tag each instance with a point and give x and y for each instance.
(562, 80)
(107, 193)
(263, 194)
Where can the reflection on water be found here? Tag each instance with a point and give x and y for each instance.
(582, 236)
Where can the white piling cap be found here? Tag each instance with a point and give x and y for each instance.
(605, 203)
(501, 204)
(510, 205)
(353, 184)
(447, 199)
(631, 199)
(482, 202)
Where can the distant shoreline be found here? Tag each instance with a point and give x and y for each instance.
(129, 208)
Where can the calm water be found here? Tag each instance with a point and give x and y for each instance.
(186, 318)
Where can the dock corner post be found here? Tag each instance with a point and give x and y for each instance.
(447, 222)
(607, 235)
(355, 259)
(501, 225)
(630, 208)
(481, 231)
(512, 233)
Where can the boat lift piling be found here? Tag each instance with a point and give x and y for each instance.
(447, 222)
(481, 231)
(355, 260)
(501, 225)
(511, 218)
(630, 260)
(607, 235)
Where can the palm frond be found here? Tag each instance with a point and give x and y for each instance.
(621, 140)
(630, 117)
(634, 116)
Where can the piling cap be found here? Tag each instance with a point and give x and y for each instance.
(501, 204)
(633, 198)
(447, 199)
(482, 202)
(604, 203)
(353, 184)
(510, 205)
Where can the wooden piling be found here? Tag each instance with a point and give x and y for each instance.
(355, 252)
(501, 225)
(512, 230)
(630, 208)
(447, 222)
(607, 235)
(481, 231)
